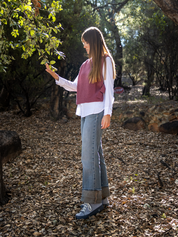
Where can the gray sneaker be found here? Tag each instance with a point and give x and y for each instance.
(89, 210)
(105, 202)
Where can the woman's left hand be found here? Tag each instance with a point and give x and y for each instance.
(105, 122)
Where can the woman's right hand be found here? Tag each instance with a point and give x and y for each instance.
(53, 74)
(105, 122)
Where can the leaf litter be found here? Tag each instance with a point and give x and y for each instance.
(45, 181)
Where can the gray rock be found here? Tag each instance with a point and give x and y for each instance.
(10, 147)
(135, 124)
(169, 127)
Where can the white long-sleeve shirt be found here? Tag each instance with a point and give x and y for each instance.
(86, 109)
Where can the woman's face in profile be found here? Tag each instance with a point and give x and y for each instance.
(86, 46)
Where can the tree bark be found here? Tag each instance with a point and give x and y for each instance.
(4, 99)
(56, 102)
(149, 65)
(170, 8)
(118, 59)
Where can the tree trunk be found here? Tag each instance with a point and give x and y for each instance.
(4, 99)
(150, 78)
(56, 102)
(170, 8)
(112, 27)
(118, 58)
(56, 108)
(150, 73)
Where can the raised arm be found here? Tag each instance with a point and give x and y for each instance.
(66, 84)
(53, 74)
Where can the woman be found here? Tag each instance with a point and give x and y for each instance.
(94, 86)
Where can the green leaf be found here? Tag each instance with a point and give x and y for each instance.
(23, 47)
(4, 21)
(55, 30)
(5, 4)
(15, 33)
(163, 216)
(44, 61)
(15, 15)
(32, 32)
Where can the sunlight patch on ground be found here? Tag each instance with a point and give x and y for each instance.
(134, 96)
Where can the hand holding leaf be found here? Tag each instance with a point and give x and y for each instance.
(51, 72)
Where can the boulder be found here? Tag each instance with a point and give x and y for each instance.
(169, 127)
(153, 127)
(172, 117)
(135, 124)
(10, 147)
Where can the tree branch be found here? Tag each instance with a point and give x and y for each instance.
(170, 8)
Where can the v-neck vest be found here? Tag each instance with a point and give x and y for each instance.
(89, 92)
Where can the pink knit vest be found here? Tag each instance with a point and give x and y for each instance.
(89, 92)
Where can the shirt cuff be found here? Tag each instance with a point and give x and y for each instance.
(107, 110)
(59, 82)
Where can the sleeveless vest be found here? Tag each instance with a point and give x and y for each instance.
(89, 92)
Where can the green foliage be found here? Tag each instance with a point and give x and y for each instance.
(25, 81)
(22, 28)
(150, 45)
(29, 39)
(34, 39)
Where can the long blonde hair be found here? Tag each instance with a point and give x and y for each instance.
(98, 48)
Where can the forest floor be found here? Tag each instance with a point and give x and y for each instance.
(45, 180)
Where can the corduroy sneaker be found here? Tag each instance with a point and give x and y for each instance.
(89, 210)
